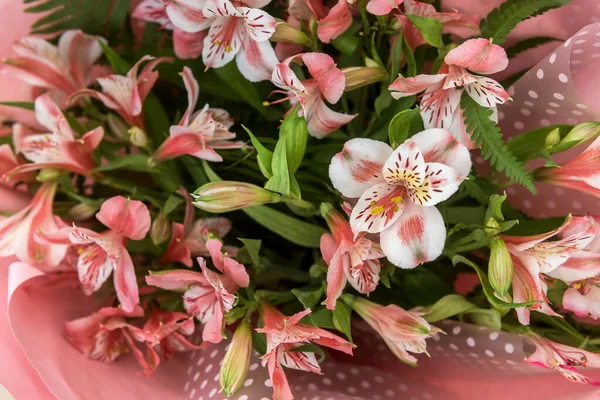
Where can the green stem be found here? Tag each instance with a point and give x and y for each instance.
(136, 192)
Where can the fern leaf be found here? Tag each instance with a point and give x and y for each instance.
(502, 20)
(486, 135)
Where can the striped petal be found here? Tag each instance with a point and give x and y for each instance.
(223, 42)
(405, 166)
(439, 183)
(487, 92)
(378, 208)
(440, 146)
(259, 24)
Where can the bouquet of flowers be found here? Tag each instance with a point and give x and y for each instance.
(293, 177)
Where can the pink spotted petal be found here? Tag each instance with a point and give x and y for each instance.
(479, 56)
(358, 166)
(257, 60)
(177, 250)
(125, 282)
(378, 208)
(403, 87)
(129, 218)
(487, 92)
(330, 79)
(187, 15)
(584, 302)
(440, 182)
(438, 107)
(183, 142)
(299, 360)
(284, 77)
(440, 146)
(418, 236)
(322, 120)
(259, 24)
(382, 7)
(94, 266)
(405, 166)
(364, 277)
(336, 22)
(220, 8)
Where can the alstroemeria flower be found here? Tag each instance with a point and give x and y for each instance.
(208, 296)
(187, 45)
(284, 334)
(327, 83)
(104, 335)
(104, 253)
(14, 199)
(580, 173)
(535, 255)
(65, 67)
(126, 94)
(59, 148)
(455, 23)
(349, 259)
(397, 191)
(563, 358)
(21, 234)
(403, 331)
(198, 133)
(583, 298)
(330, 23)
(440, 106)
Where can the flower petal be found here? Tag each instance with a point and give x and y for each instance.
(382, 7)
(406, 166)
(94, 266)
(223, 42)
(479, 56)
(378, 208)
(231, 268)
(259, 24)
(364, 277)
(125, 282)
(81, 51)
(220, 8)
(358, 166)
(129, 218)
(188, 46)
(187, 15)
(403, 87)
(330, 79)
(440, 182)
(584, 302)
(440, 146)
(153, 11)
(336, 280)
(322, 120)
(174, 279)
(336, 22)
(487, 92)
(418, 236)
(257, 60)
(438, 107)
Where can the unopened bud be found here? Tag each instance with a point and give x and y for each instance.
(220, 197)
(48, 174)
(83, 211)
(237, 360)
(500, 267)
(138, 137)
(362, 76)
(286, 33)
(492, 227)
(582, 133)
(160, 230)
(553, 138)
(117, 126)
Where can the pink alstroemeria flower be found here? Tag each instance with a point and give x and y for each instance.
(563, 358)
(349, 259)
(327, 83)
(187, 45)
(104, 253)
(126, 94)
(284, 334)
(208, 296)
(104, 335)
(13, 199)
(21, 234)
(455, 23)
(60, 147)
(403, 331)
(536, 256)
(330, 24)
(198, 133)
(65, 68)
(580, 173)
(397, 191)
(583, 298)
(440, 106)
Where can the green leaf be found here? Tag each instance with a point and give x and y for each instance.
(411, 63)
(502, 20)
(341, 319)
(26, 105)
(295, 132)
(280, 181)
(494, 209)
(486, 135)
(309, 299)
(448, 306)
(478, 188)
(383, 101)
(487, 287)
(387, 271)
(396, 58)
(130, 162)
(346, 44)
(527, 44)
(253, 248)
(259, 341)
(404, 125)
(265, 156)
(424, 287)
(321, 318)
(486, 317)
(429, 28)
(119, 66)
(245, 89)
(171, 204)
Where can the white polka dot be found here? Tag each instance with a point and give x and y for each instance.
(351, 389)
(595, 55)
(532, 94)
(545, 122)
(190, 369)
(214, 353)
(501, 115)
(580, 41)
(243, 397)
(552, 58)
(471, 342)
(526, 204)
(187, 386)
(365, 384)
(563, 78)
(327, 381)
(509, 348)
(578, 51)
(576, 205)
(192, 393)
(577, 112)
(378, 379)
(453, 346)
(553, 104)
(559, 96)
(519, 125)
(204, 383)
(269, 383)
(208, 368)
(216, 377)
(196, 376)
(489, 353)
(403, 387)
(248, 382)
(200, 361)
(528, 103)
(390, 393)
(572, 121)
(581, 106)
(212, 392)
(253, 367)
(597, 44)
(567, 43)
(341, 376)
(511, 362)
(456, 330)
(473, 355)
(525, 111)
(550, 111)
(437, 337)
(354, 371)
(540, 73)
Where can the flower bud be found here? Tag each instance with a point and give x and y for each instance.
(160, 230)
(138, 137)
(492, 227)
(553, 138)
(48, 174)
(362, 76)
(286, 33)
(117, 126)
(582, 133)
(500, 267)
(83, 211)
(225, 196)
(237, 359)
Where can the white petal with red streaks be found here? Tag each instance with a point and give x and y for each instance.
(438, 107)
(405, 166)
(418, 236)
(378, 208)
(487, 92)
(187, 15)
(223, 42)
(220, 8)
(440, 182)
(440, 146)
(259, 24)
(94, 266)
(358, 166)
(257, 60)
(322, 120)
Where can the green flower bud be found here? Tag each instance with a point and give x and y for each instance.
(138, 137)
(286, 33)
(237, 359)
(160, 231)
(500, 267)
(357, 77)
(225, 196)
